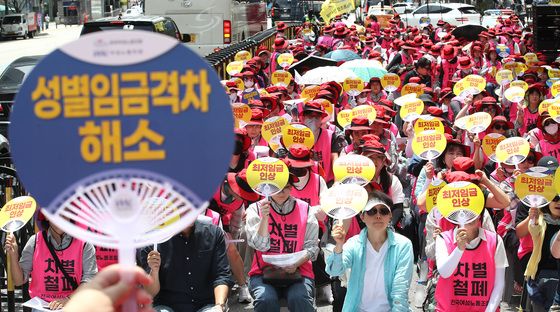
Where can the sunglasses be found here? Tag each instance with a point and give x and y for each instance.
(500, 127)
(384, 211)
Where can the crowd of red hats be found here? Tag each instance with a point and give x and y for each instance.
(432, 57)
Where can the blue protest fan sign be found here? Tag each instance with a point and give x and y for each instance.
(121, 100)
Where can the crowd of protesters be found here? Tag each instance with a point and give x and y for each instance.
(374, 255)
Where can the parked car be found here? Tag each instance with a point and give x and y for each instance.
(19, 25)
(453, 13)
(403, 7)
(10, 81)
(159, 24)
(383, 14)
(490, 17)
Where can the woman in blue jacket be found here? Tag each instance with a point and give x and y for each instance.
(379, 259)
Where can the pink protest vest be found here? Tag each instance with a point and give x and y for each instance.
(406, 60)
(105, 257)
(349, 149)
(293, 226)
(448, 71)
(550, 149)
(322, 149)
(470, 287)
(310, 192)
(529, 120)
(47, 282)
(214, 215)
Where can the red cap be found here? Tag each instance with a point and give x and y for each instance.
(239, 185)
(299, 156)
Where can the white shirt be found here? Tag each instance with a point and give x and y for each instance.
(374, 298)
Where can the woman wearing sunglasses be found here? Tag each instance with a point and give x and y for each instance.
(385, 257)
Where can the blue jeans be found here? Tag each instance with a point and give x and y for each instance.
(300, 296)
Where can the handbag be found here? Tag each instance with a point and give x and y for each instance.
(278, 277)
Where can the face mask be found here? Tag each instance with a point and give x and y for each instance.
(233, 97)
(361, 100)
(551, 129)
(313, 123)
(248, 83)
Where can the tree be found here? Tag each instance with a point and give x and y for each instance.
(17, 5)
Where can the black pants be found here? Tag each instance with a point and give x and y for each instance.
(339, 293)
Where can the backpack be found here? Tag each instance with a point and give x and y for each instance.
(429, 304)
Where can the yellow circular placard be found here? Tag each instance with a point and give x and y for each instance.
(400, 101)
(327, 106)
(489, 144)
(432, 193)
(460, 202)
(554, 111)
(344, 117)
(555, 89)
(353, 86)
(390, 82)
(355, 169)
(309, 93)
(531, 58)
(285, 59)
(519, 83)
(478, 122)
(281, 78)
(239, 83)
(365, 111)
(267, 176)
(411, 110)
(15, 213)
(474, 84)
(557, 181)
(410, 88)
(428, 145)
(243, 56)
(504, 76)
(344, 201)
(297, 133)
(535, 189)
(428, 123)
(234, 67)
(514, 94)
(545, 104)
(554, 73)
(273, 126)
(512, 151)
(241, 112)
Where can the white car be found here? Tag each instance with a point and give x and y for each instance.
(403, 7)
(453, 13)
(490, 17)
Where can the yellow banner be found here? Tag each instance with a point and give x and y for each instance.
(332, 8)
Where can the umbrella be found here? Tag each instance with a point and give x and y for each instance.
(365, 69)
(468, 31)
(342, 55)
(311, 62)
(320, 75)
